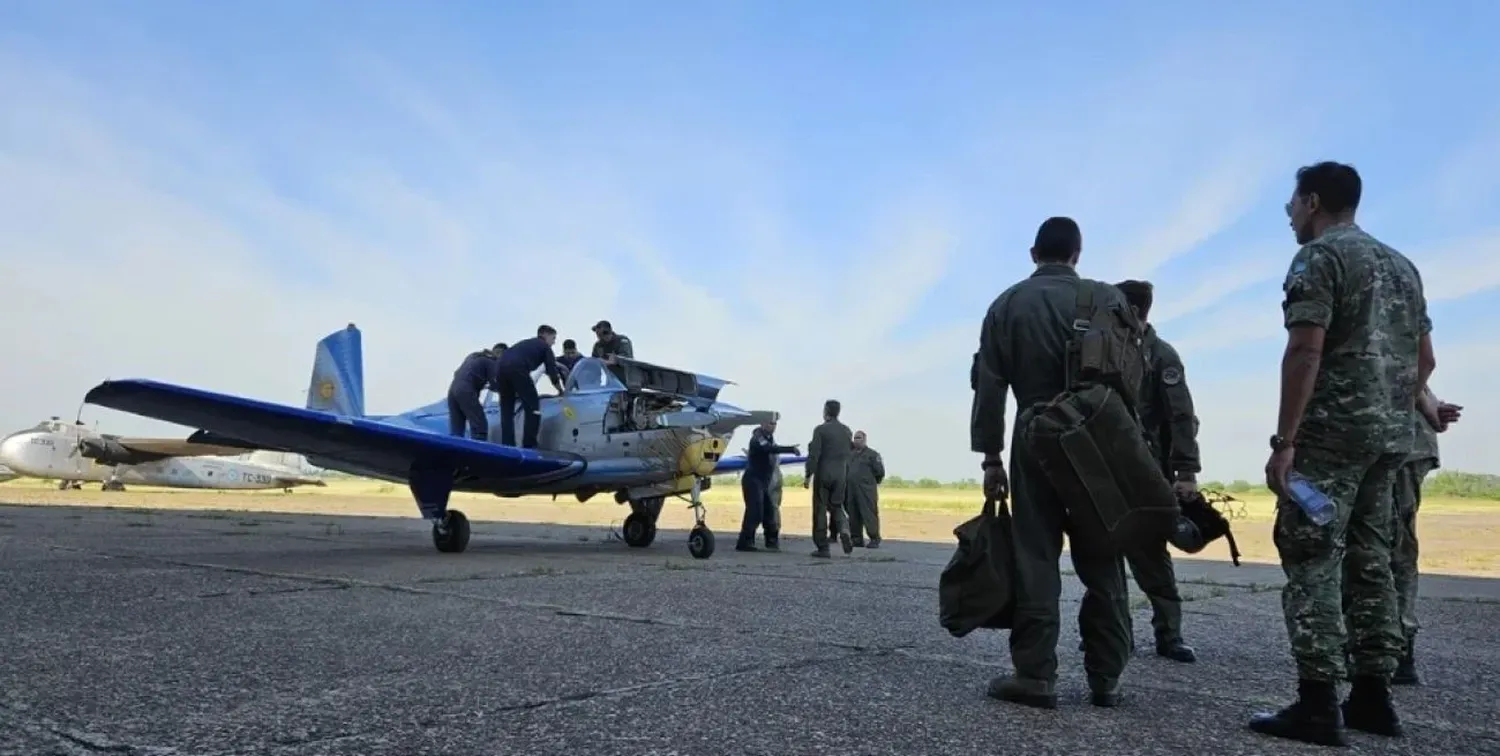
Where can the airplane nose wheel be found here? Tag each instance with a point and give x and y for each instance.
(700, 538)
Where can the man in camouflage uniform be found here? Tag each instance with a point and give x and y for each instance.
(1023, 347)
(1171, 430)
(1358, 354)
(1433, 417)
(866, 473)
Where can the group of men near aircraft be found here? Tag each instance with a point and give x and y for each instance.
(843, 473)
(507, 369)
(1356, 420)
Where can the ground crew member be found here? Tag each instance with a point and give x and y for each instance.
(773, 525)
(1358, 355)
(611, 344)
(1023, 346)
(1168, 420)
(866, 473)
(827, 474)
(477, 371)
(514, 376)
(1433, 417)
(755, 484)
(569, 358)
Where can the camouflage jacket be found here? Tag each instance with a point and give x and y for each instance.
(1368, 298)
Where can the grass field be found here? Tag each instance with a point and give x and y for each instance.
(1459, 536)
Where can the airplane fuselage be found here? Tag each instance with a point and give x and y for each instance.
(43, 454)
(611, 433)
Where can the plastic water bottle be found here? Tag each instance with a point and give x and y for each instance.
(1315, 503)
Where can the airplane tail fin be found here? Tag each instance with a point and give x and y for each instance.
(338, 374)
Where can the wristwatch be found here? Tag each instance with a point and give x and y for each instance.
(1278, 443)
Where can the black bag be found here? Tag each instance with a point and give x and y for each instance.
(977, 588)
(1090, 447)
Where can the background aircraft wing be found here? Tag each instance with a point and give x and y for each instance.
(736, 464)
(172, 447)
(366, 444)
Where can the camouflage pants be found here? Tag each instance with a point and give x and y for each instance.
(1408, 500)
(1350, 555)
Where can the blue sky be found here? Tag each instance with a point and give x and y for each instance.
(813, 199)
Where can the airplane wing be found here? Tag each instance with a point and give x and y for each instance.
(171, 447)
(356, 442)
(736, 464)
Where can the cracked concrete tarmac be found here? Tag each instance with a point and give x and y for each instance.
(153, 633)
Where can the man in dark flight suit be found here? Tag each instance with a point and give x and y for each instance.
(755, 484)
(477, 371)
(1171, 431)
(1023, 347)
(514, 376)
(569, 358)
(827, 474)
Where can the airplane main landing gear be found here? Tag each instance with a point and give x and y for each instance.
(640, 526)
(451, 535)
(112, 485)
(700, 538)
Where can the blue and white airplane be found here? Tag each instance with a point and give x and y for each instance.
(641, 431)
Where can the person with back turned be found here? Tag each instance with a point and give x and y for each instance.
(1358, 355)
(1433, 417)
(827, 474)
(477, 371)
(1171, 431)
(514, 373)
(1023, 348)
(761, 463)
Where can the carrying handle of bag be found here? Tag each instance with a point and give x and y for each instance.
(990, 504)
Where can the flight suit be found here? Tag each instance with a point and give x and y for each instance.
(1023, 349)
(755, 485)
(1168, 420)
(476, 371)
(513, 370)
(866, 473)
(773, 526)
(619, 345)
(1355, 435)
(828, 464)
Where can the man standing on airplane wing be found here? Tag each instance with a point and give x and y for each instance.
(514, 374)
(476, 372)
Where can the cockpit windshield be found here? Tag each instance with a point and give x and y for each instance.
(591, 376)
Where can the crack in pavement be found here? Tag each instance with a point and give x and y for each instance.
(21, 718)
(555, 609)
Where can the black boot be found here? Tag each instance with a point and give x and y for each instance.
(1315, 717)
(1369, 707)
(1177, 651)
(1406, 669)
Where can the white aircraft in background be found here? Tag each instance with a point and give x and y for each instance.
(74, 454)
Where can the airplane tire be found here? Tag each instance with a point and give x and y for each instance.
(701, 542)
(640, 531)
(457, 538)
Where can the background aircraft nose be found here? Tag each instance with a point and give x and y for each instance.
(10, 449)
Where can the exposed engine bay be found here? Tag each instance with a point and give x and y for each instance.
(630, 411)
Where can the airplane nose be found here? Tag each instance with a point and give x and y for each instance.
(10, 451)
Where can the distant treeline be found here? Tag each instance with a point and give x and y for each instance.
(1450, 483)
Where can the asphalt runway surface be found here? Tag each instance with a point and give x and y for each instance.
(213, 633)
